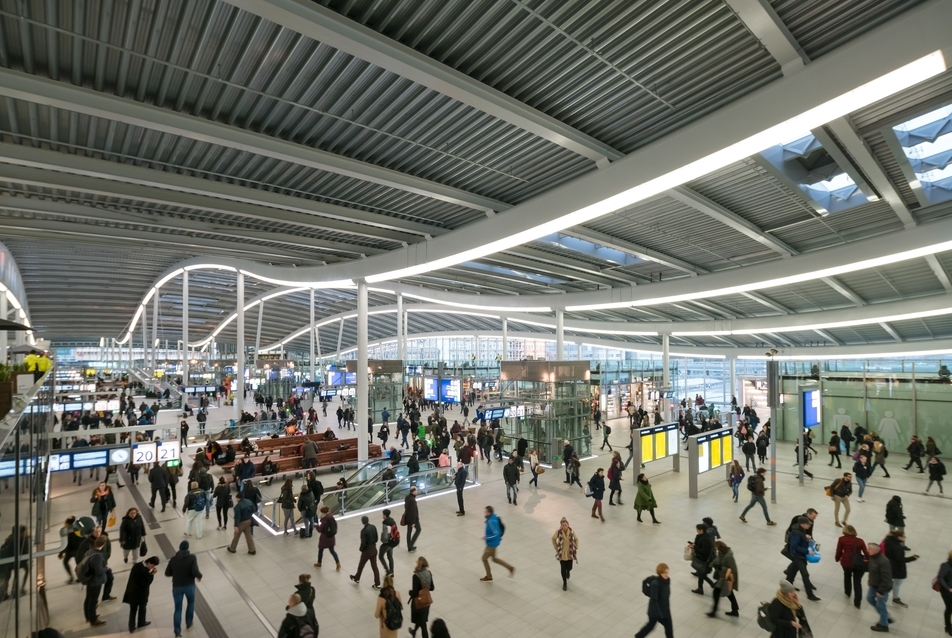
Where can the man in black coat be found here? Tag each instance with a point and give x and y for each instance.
(411, 518)
(159, 480)
(368, 551)
(460, 481)
(137, 592)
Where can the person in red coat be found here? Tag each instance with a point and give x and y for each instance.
(852, 556)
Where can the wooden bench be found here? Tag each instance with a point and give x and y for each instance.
(295, 462)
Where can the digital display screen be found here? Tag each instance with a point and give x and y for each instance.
(810, 408)
(450, 390)
(175, 463)
(429, 388)
(703, 457)
(496, 413)
(350, 378)
(335, 378)
(8, 468)
(96, 458)
(60, 462)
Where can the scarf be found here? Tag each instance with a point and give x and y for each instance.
(560, 544)
(788, 603)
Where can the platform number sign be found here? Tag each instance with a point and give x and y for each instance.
(144, 453)
(166, 451)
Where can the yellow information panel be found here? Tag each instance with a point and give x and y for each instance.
(714, 449)
(646, 449)
(660, 445)
(715, 452)
(728, 449)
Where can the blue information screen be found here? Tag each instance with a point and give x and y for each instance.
(810, 408)
(429, 388)
(450, 390)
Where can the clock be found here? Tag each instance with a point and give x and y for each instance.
(118, 456)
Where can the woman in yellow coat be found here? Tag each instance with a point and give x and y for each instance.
(565, 542)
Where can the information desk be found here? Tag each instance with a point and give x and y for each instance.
(708, 451)
(655, 443)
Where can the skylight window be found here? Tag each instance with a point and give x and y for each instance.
(591, 249)
(510, 272)
(927, 143)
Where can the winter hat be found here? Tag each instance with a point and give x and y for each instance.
(183, 546)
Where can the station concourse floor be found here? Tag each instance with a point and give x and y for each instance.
(245, 596)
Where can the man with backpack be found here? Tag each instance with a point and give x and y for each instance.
(244, 510)
(494, 533)
(91, 572)
(606, 432)
(183, 569)
(297, 623)
(193, 506)
(798, 546)
(757, 489)
(389, 538)
(206, 484)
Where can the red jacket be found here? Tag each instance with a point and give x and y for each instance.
(845, 548)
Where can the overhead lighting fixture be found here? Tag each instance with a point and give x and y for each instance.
(317, 285)
(476, 306)
(915, 184)
(882, 87)
(872, 198)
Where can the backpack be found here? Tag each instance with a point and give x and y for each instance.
(502, 528)
(750, 483)
(394, 614)
(305, 629)
(608, 430)
(332, 528)
(763, 619)
(198, 501)
(646, 585)
(84, 573)
(205, 481)
(830, 489)
(394, 535)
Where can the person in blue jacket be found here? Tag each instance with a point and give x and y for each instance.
(494, 532)
(597, 485)
(799, 547)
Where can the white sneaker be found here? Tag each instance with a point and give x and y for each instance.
(861, 500)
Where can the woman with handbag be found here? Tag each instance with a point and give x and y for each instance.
(852, 556)
(420, 598)
(736, 478)
(104, 504)
(534, 468)
(727, 581)
(565, 542)
(287, 501)
(835, 450)
(131, 534)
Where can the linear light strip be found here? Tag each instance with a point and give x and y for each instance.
(818, 326)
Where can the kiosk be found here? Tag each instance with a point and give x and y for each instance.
(708, 451)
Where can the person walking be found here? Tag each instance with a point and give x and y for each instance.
(614, 479)
(787, 615)
(131, 533)
(137, 592)
(223, 502)
(846, 437)
(205, 484)
(916, 451)
(762, 444)
(534, 467)
(861, 474)
(834, 447)
(159, 482)
(944, 582)
(327, 530)
(307, 593)
(411, 518)
(880, 453)
(659, 603)
(493, 537)
(244, 510)
(565, 542)
(460, 482)
(895, 550)
(287, 501)
(368, 552)
(306, 504)
(702, 550)
(574, 471)
(645, 500)
(184, 571)
(510, 475)
(936, 472)
(894, 514)
(596, 485)
(728, 582)
(736, 478)
(193, 506)
(104, 504)
(95, 577)
(296, 619)
(420, 598)
(852, 556)
(798, 546)
(755, 484)
(749, 448)
(880, 584)
(389, 609)
(840, 492)
(389, 538)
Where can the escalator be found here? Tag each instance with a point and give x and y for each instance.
(375, 490)
(365, 474)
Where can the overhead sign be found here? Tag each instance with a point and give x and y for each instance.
(167, 451)
(143, 453)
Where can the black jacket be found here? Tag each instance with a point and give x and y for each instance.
(158, 477)
(597, 484)
(183, 568)
(936, 471)
(460, 479)
(880, 573)
(131, 532)
(411, 515)
(894, 515)
(137, 589)
(704, 548)
(510, 473)
(896, 555)
(659, 606)
(368, 538)
(842, 487)
(781, 616)
(222, 496)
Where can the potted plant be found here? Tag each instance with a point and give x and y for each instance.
(6, 389)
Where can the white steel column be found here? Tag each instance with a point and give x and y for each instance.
(733, 377)
(313, 378)
(258, 335)
(666, 373)
(240, 355)
(579, 351)
(505, 339)
(4, 314)
(559, 335)
(340, 337)
(401, 346)
(363, 404)
(406, 332)
(145, 337)
(185, 327)
(155, 332)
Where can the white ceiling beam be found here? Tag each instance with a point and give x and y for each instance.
(767, 301)
(853, 144)
(605, 274)
(68, 97)
(892, 332)
(826, 335)
(843, 160)
(163, 197)
(331, 28)
(285, 208)
(762, 20)
(532, 266)
(841, 288)
(641, 252)
(714, 210)
(940, 272)
(112, 216)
